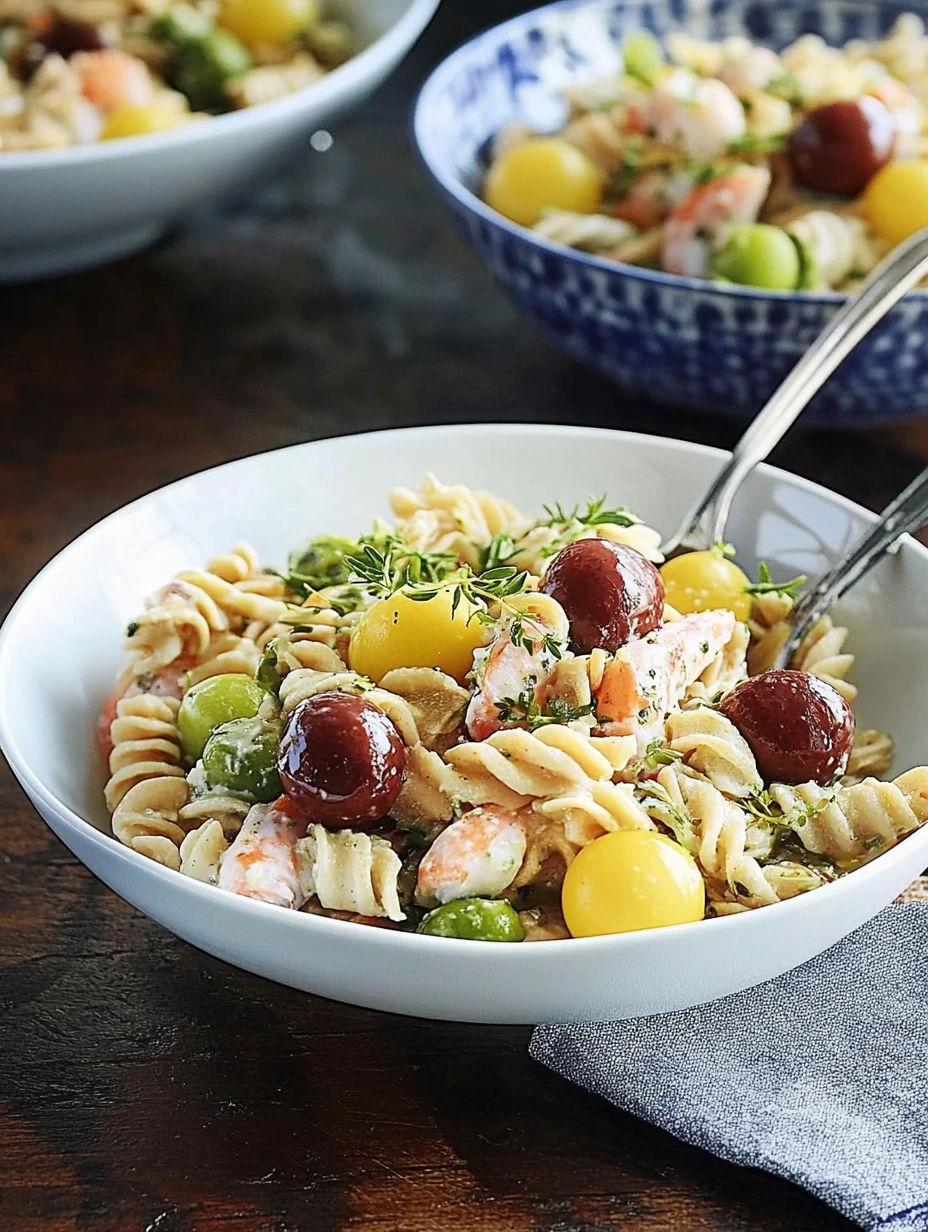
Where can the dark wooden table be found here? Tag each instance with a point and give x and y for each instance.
(145, 1087)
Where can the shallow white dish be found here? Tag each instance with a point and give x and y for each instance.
(63, 210)
(59, 652)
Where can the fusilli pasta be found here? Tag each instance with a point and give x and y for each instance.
(351, 872)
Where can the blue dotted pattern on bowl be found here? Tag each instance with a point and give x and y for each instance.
(669, 338)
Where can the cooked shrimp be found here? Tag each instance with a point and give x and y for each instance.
(509, 670)
(170, 682)
(699, 223)
(111, 79)
(480, 854)
(647, 678)
(263, 861)
(651, 198)
(699, 113)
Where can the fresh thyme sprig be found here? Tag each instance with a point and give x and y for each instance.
(659, 803)
(766, 586)
(393, 566)
(388, 564)
(526, 709)
(499, 551)
(595, 514)
(547, 644)
(656, 754)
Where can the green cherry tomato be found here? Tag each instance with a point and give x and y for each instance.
(474, 919)
(759, 255)
(211, 702)
(242, 756)
(643, 56)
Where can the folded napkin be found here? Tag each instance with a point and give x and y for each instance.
(820, 1076)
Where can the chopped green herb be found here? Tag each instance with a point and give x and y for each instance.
(623, 178)
(133, 628)
(526, 709)
(786, 85)
(753, 143)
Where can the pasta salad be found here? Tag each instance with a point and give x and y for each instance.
(795, 170)
(473, 723)
(79, 71)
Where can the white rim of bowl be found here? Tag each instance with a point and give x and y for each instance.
(353, 73)
(388, 937)
(467, 198)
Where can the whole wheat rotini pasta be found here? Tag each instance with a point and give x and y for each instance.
(483, 745)
(138, 54)
(708, 153)
(351, 872)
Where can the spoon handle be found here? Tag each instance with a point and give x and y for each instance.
(908, 512)
(885, 286)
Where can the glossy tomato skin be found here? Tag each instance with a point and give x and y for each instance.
(610, 593)
(630, 880)
(341, 761)
(799, 728)
(839, 147)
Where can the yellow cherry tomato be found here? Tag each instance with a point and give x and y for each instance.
(702, 581)
(131, 121)
(629, 880)
(271, 22)
(896, 199)
(543, 174)
(403, 632)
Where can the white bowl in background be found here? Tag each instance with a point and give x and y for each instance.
(63, 210)
(60, 650)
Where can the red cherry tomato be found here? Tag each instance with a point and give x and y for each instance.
(800, 729)
(838, 148)
(610, 593)
(341, 761)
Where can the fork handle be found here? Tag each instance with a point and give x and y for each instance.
(908, 512)
(881, 291)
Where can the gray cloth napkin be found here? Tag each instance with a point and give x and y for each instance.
(820, 1076)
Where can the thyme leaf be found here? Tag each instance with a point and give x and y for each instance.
(657, 755)
(526, 709)
(766, 586)
(595, 514)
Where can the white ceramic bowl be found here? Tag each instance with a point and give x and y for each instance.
(62, 210)
(60, 649)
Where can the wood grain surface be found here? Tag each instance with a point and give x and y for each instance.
(145, 1087)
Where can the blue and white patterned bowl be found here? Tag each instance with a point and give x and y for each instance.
(676, 339)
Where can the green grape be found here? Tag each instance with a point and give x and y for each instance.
(181, 24)
(203, 66)
(241, 756)
(759, 255)
(322, 562)
(215, 701)
(474, 919)
(643, 56)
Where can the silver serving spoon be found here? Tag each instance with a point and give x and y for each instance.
(907, 513)
(705, 524)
